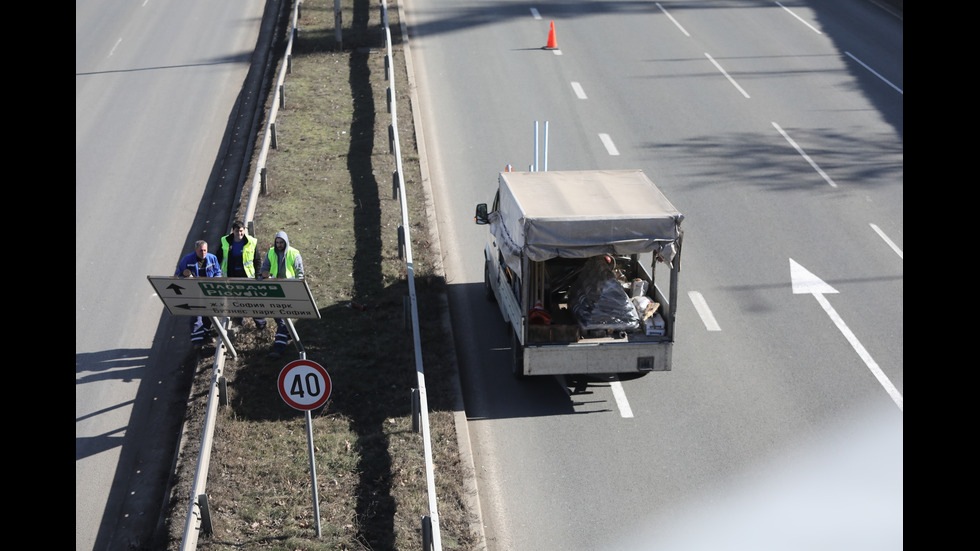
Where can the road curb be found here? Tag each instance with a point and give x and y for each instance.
(470, 488)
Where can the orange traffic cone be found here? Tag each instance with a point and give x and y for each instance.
(552, 41)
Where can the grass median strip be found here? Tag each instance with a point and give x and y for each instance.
(330, 188)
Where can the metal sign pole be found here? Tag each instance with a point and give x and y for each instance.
(546, 146)
(295, 335)
(535, 146)
(309, 436)
(305, 385)
(309, 443)
(224, 336)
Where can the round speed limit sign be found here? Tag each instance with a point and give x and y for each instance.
(304, 385)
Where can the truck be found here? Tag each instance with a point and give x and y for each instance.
(565, 261)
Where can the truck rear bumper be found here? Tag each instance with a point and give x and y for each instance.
(585, 358)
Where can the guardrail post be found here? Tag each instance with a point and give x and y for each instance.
(223, 391)
(383, 14)
(202, 503)
(426, 533)
(263, 184)
(338, 24)
(416, 410)
(401, 242)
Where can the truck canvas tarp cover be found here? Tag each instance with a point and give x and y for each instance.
(580, 214)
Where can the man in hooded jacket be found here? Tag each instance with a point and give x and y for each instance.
(282, 262)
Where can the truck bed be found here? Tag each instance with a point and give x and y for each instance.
(550, 282)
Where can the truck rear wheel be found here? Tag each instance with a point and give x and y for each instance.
(487, 289)
(517, 357)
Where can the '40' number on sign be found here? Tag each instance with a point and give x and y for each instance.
(307, 386)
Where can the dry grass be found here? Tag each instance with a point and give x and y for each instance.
(331, 190)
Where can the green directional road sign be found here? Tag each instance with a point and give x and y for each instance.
(236, 297)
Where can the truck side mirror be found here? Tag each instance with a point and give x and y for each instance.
(481, 217)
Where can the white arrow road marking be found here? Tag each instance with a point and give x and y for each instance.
(805, 283)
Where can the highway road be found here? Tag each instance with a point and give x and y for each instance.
(777, 128)
(156, 86)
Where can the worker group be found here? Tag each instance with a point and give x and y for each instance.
(236, 257)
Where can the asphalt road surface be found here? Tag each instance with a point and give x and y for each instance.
(777, 129)
(156, 90)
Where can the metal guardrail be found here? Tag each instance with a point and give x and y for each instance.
(198, 513)
(431, 538)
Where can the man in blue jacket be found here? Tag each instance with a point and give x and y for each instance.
(199, 263)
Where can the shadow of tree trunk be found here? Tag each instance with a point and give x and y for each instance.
(375, 506)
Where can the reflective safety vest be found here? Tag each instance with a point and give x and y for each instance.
(248, 254)
(290, 262)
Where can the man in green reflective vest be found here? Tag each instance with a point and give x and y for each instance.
(282, 262)
(237, 257)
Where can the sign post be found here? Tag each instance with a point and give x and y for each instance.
(305, 385)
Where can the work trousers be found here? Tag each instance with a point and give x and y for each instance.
(200, 329)
(282, 335)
